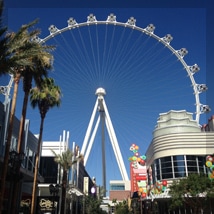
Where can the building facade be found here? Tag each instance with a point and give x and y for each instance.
(79, 182)
(49, 172)
(27, 166)
(179, 147)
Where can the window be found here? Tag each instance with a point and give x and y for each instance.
(191, 164)
(201, 164)
(30, 160)
(14, 143)
(166, 159)
(179, 166)
(166, 167)
(48, 169)
(178, 158)
(156, 170)
(117, 187)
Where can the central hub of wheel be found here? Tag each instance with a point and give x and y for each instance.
(100, 92)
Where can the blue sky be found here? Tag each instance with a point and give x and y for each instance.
(141, 77)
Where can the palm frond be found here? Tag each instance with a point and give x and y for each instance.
(66, 159)
(47, 95)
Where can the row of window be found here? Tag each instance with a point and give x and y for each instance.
(177, 166)
(117, 187)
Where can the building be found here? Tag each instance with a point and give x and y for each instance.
(28, 162)
(79, 182)
(179, 147)
(119, 191)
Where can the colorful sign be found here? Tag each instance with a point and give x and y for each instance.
(138, 172)
(141, 177)
(210, 165)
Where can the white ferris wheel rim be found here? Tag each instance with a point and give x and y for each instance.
(149, 30)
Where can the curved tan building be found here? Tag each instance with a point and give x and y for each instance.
(179, 146)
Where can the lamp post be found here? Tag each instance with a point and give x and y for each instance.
(54, 190)
(74, 191)
(15, 160)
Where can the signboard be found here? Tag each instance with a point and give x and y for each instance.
(47, 204)
(86, 185)
(138, 172)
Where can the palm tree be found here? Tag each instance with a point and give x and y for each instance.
(45, 96)
(43, 62)
(65, 160)
(20, 55)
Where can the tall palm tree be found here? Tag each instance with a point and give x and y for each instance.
(65, 160)
(19, 57)
(43, 62)
(45, 96)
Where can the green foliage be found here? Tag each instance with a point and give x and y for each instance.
(66, 159)
(46, 96)
(114, 200)
(92, 205)
(192, 191)
(122, 208)
(20, 53)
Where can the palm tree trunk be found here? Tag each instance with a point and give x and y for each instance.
(35, 181)
(20, 149)
(27, 87)
(64, 185)
(8, 142)
(22, 122)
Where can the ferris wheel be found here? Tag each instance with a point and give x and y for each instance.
(138, 69)
(97, 59)
(149, 30)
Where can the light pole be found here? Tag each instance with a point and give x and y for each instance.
(15, 160)
(74, 191)
(54, 190)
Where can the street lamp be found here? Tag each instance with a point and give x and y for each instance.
(74, 191)
(54, 190)
(15, 160)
